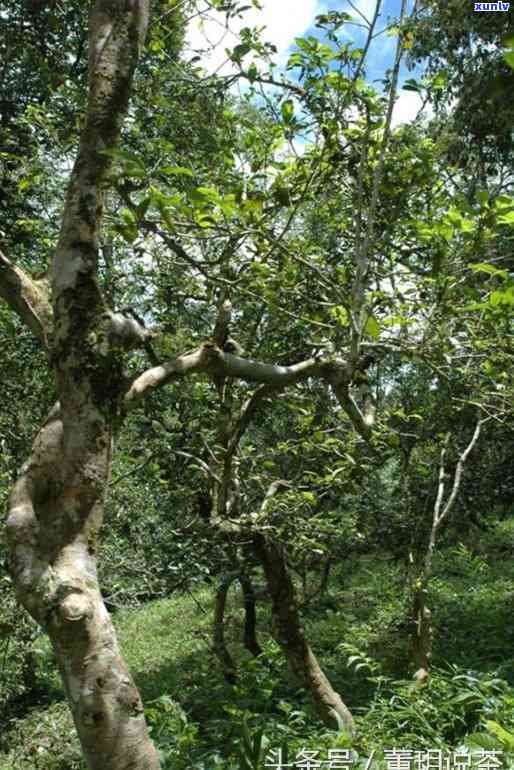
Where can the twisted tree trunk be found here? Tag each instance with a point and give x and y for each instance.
(56, 507)
(288, 632)
(55, 513)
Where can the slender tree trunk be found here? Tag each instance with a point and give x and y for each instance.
(289, 634)
(422, 616)
(220, 646)
(422, 633)
(250, 639)
(250, 635)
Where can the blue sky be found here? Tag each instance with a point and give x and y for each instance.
(284, 20)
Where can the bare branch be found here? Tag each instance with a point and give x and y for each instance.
(27, 297)
(205, 466)
(250, 370)
(440, 486)
(210, 359)
(439, 516)
(369, 38)
(458, 471)
(274, 487)
(161, 375)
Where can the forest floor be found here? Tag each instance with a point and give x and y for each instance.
(359, 631)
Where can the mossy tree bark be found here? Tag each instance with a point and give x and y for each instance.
(56, 506)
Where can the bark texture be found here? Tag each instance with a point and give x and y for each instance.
(288, 632)
(56, 507)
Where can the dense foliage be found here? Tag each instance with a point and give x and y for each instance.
(340, 241)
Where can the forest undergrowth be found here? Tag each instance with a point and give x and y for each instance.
(360, 633)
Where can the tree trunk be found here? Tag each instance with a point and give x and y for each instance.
(220, 646)
(55, 513)
(422, 616)
(250, 640)
(56, 507)
(422, 636)
(289, 634)
(250, 636)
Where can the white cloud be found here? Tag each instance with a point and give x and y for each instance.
(366, 7)
(407, 107)
(283, 21)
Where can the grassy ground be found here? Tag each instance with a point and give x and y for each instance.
(358, 631)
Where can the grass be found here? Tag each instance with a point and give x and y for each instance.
(195, 715)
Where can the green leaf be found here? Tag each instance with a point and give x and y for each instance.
(503, 735)
(507, 218)
(509, 58)
(412, 85)
(340, 314)
(239, 51)
(372, 328)
(440, 80)
(482, 741)
(176, 171)
(295, 60)
(252, 72)
(485, 267)
(287, 109)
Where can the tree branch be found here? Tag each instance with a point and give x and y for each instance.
(458, 471)
(210, 359)
(357, 418)
(438, 515)
(160, 375)
(222, 323)
(28, 298)
(250, 408)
